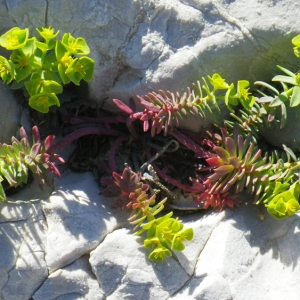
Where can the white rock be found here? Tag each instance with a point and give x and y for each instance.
(76, 281)
(22, 240)
(123, 270)
(211, 287)
(78, 219)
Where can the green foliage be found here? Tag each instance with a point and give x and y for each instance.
(164, 110)
(285, 204)
(164, 233)
(42, 67)
(17, 159)
(238, 164)
(290, 93)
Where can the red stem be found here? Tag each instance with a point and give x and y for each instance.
(167, 178)
(198, 150)
(116, 119)
(81, 132)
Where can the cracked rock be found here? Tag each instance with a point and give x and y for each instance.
(123, 270)
(78, 219)
(75, 281)
(22, 241)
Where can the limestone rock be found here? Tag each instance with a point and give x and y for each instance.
(10, 114)
(146, 45)
(122, 268)
(78, 219)
(22, 242)
(76, 281)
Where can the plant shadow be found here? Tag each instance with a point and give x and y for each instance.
(266, 233)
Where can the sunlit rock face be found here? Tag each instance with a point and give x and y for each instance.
(68, 243)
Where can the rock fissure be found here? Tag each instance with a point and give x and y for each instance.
(243, 28)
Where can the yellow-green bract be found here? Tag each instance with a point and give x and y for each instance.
(42, 67)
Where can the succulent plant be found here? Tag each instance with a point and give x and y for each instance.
(17, 159)
(164, 110)
(163, 233)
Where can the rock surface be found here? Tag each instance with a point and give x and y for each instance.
(69, 244)
(146, 45)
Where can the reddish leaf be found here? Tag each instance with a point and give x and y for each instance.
(215, 162)
(122, 106)
(36, 134)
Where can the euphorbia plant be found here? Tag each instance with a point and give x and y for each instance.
(163, 233)
(42, 67)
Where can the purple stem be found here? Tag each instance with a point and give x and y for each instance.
(198, 150)
(81, 132)
(167, 178)
(116, 119)
(112, 152)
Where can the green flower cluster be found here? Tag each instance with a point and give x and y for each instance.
(163, 234)
(42, 67)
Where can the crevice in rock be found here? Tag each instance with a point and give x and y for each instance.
(281, 236)
(243, 28)
(8, 12)
(46, 13)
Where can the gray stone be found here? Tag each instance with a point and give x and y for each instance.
(146, 45)
(10, 114)
(78, 219)
(76, 281)
(287, 135)
(22, 235)
(141, 46)
(123, 270)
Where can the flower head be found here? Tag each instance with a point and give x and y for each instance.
(286, 203)
(42, 102)
(6, 70)
(47, 32)
(15, 38)
(218, 82)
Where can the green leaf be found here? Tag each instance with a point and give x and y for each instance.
(279, 100)
(224, 169)
(2, 192)
(152, 242)
(268, 86)
(289, 152)
(286, 79)
(222, 153)
(22, 73)
(283, 116)
(38, 86)
(280, 207)
(295, 99)
(230, 97)
(286, 71)
(296, 41)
